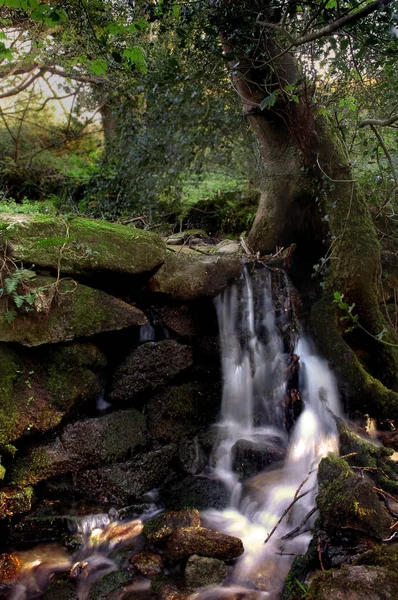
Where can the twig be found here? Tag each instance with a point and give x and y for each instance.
(285, 512)
(297, 529)
(320, 554)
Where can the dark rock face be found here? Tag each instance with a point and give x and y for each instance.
(182, 411)
(84, 443)
(252, 457)
(188, 277)
(148, 368)
(160, 528)
(201, 571)
(204, 542)
(179, 319)
(127, 482)
(195, 492)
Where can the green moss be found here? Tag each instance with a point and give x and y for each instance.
(382, 556)
(346, 500)
(301, 566)
(14, 502)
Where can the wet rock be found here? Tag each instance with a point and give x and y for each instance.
(61, 590)
(201, 571)
(148, 368)
(127, 482)
(10, 567)
(73, 311)
(355, 583)
(292, 406)
(198, 540)
(161, 527)
(187, 277)
(190, 237)
(250, 457)
(228, 247)
(15, 501)
(192, 457)
(169, 587)
(117, 534)
(148, 564)
(39, 387)
(196, 492)
(82, 246)
(181, 411)
(109, 583)
(90, 442)
(346, 500)
(180, 319)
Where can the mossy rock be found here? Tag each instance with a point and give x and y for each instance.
(354, 583)
(81, 246)
(201, 571)
(161, 527)
(15, 501)
(348, 501)
(76, 311)
(188, 277)
(188, 541)
(61, 590)
(38, 388)
(81, 444)
(109, 583)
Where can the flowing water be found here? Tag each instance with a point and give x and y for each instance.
(273, 511)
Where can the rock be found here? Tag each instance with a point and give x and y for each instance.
(182, 411)
(161, 527)
(204, 542)
(107, 584)
(75, 311)
(148, 564)
(15, 501)
(61, 590)
(355, 583)
(195, 492)
(228, 247)
(90, 442)
(169, 587)
(346, 500)
(181, 319)
(191, 237)
(201, 571)
(192, 457)
(117, 534)
(187, 277)
(250, 457)
(10, 567)
(127, 482)
(38, 389)
(148, 368)
(81, 246)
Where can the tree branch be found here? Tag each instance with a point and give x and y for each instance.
(379, 122)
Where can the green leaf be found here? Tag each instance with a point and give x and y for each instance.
(11, 284)
(99, 66)
(136, 55)
(10, 316)
(269, 101)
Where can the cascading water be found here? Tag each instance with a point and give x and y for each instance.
(255, 366)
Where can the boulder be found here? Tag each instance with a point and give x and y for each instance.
(250, 457)
(148, 564)
(123, 483)
(170, 587)
(181, 319)
(14, 501)
(74, 311)
(37, 389)
(81, 246)
(201, 571)
(205, 542)
(355, 583)
(89, 442)
(10, 567)
(182, 411)
(148, 368)
(161, 527)
(228, 247)
(196, 492)
(188, 277)
(348, 501)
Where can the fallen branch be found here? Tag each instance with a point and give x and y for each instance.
(297, 530)
(285, 512)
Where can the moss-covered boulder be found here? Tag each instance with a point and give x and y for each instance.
(188, 541)
(201, 571)
(15, 501)
(148, 368)
(354, 583)
(188, 277)
(81, 246)
(81, 444)
(148, 564)
(161, 527)
(127, 482)
(183, 410)
(37, 388)
(75, 311)
(348, 501)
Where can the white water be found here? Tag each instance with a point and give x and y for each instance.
(254, 370)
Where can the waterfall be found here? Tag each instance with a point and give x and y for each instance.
(255, 358)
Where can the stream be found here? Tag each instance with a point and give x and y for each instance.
(271, 511)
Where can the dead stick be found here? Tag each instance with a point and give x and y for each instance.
(293, 532)
(320, 554)
(285, 513)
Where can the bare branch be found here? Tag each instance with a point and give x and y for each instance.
(379, 122)
(20, 88)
